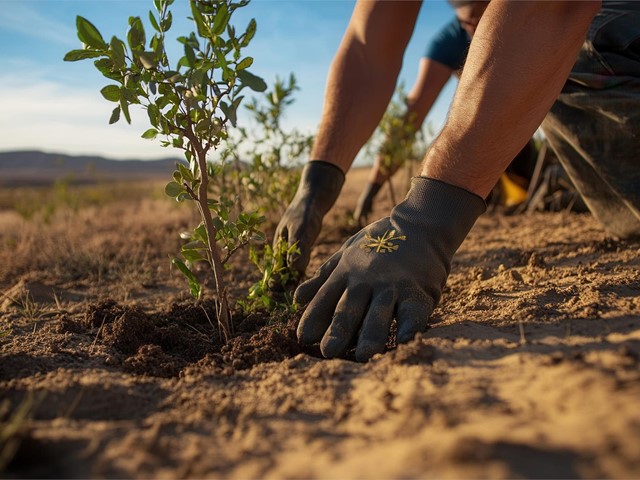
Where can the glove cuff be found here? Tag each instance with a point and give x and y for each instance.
(440, 207)
(321, 183)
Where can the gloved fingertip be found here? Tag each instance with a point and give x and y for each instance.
(304, 338)
(328, 347)
(366, 350)
(304, 293)
(310, 332)
(406, 337)
(412, 316)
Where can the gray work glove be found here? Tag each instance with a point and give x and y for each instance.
(318, 190)
(394, 268)
(365, 203)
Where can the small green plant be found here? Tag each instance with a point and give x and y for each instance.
(267, 181)
(396, 141)
(276, 277)
(266, 156)
(190, 104)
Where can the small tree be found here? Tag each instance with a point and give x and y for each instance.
(190, 104)
(265, 160)
(267, 156)
(396, 141)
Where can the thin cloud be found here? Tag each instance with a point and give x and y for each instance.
(23, 18)
(48, 116)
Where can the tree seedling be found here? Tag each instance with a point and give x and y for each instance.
(190, 105)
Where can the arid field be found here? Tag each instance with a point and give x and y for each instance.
(530, 367)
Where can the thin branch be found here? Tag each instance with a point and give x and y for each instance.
(234, 250)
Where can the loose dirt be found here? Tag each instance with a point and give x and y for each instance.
(530, 367)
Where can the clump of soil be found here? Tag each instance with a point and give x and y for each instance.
(163, 344)
(271, 343)
(124, 328)
(152, 360)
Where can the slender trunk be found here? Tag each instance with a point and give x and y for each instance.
(222, 313)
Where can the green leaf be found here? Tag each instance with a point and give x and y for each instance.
(200, 233)
(115, 115)
(136, 36)
(192, 255)
(111, 93)
(203, 126)
(105, 66)
(173, 189)
(154, 114)
(252, 81)
(230, 111)
(251, 31)
(75, 55)
(194, 245)
(244, 63)
(185, 172)
(157, 45)
(89, 34)
(154, 22)
(217, 224)
(148, 59)
(190, 55)
(199, 19)
(221, 20)
(194, 284)
(125, 110)
(222, 61)
(165, 24)
(117, 52)
(150, 134)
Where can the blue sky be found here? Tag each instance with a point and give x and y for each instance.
(55, 106)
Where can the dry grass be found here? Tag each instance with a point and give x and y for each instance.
(122, 238)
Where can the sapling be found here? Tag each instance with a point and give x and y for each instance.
(267, 155)
(395, 140)
(189, 104)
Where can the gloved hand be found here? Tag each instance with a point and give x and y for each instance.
(318, 190)
(394, 268)
(365, 203)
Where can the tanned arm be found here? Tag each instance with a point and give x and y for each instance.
(362, 78)
(512, 76)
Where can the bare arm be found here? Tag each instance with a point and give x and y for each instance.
(362, 78)
(432, 77)
(512, 76)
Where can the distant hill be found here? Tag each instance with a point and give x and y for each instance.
(22, 168)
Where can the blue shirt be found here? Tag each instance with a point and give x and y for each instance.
(450, 45)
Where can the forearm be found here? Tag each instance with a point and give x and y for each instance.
(362, 78)
(511, 78)
(432, 77)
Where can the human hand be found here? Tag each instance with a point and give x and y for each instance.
(394, 268)
(319, 188)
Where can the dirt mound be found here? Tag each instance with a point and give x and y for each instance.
(162, 344)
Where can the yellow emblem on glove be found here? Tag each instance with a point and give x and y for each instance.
(381, 244)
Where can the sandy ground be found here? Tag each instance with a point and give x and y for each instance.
(530, 367)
